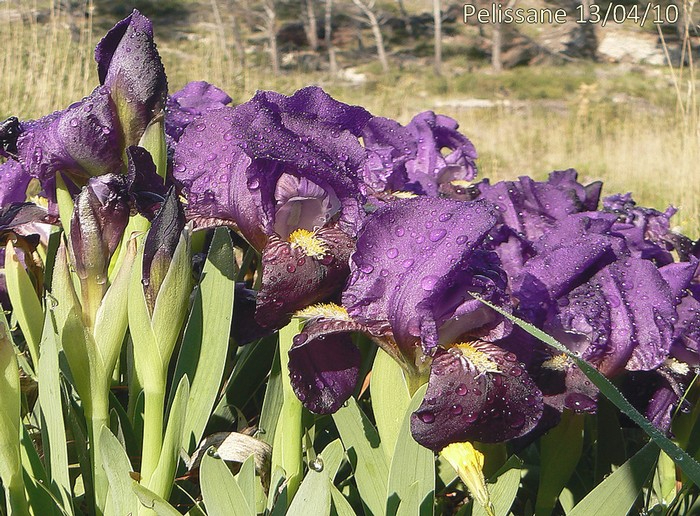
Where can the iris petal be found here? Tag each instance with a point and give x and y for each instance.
(412, 269)
(324, 364)
(294, 278)
(469, 401)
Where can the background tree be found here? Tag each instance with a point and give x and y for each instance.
(368, 10)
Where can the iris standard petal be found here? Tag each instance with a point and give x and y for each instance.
(183, 106)
(211, 168)
(434, 133)
(309, 135)
(412, 270)
(476, 392)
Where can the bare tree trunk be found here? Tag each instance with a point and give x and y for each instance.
(332, 64)
(437, 19)
(376, 31)
(311, 25)
(406, 19)
(496, 45)
(238, 40)
(497, 41)
(271, 31)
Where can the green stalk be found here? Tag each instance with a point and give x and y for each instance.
(154, 403)
(287, 449)
(97, 414)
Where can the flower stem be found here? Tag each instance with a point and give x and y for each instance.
(154, 403)
(97, 413)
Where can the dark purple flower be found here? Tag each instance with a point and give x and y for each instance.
(81, 141)
(183, 106)
(622, 318)
(160, 245)
(417, 263)
(129, 66)
(658, 393)
(531, 208)
(286, 171)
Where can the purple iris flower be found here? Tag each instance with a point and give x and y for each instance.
(431, 171)
(129, 65)
(530, 208)
(416, 265)
(429, 156)
(286, 172)
(647, 231)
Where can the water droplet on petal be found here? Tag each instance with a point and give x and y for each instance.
(427, 417)
(429, 282)
(437, 234)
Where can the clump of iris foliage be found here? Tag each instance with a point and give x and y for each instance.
(290, 305)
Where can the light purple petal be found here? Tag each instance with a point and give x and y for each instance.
(415, 265)
(183, 106)
(14, 181)
(434, 133)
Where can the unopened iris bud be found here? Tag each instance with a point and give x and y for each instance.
(99, 218)
(161, 244)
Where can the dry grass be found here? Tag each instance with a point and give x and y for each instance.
(648, 148)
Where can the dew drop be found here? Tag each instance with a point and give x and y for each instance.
(437, 235)
(461, 389)
(427, 417)
(317, 464)
(428, 282)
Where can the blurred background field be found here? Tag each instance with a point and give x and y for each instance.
(631, 124)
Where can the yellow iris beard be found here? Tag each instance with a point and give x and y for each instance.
(324, 311)
(479, 359)
(308, 242)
